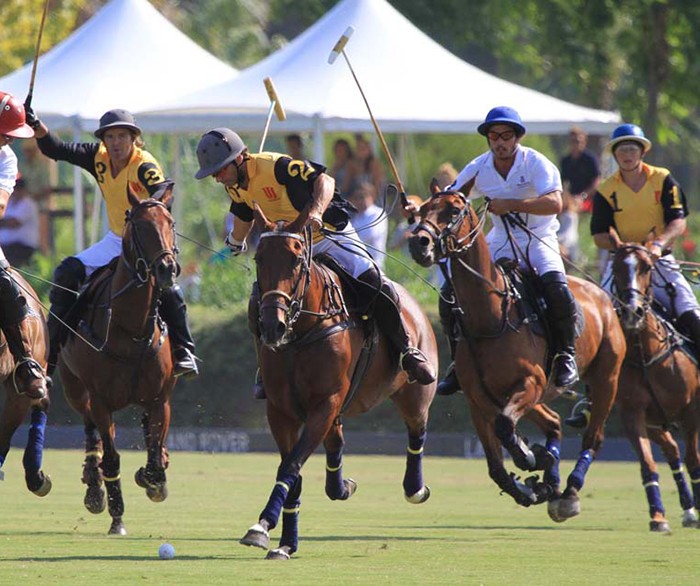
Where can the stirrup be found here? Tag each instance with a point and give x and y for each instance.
(566, 374)
(580, 414)
(420, 370)
(258, 388)
(449, 385)
(185, 363)
(35, 374)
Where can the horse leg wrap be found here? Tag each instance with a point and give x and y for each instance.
(650, 482)
(290, 518)
(413, 478)
(115, 500)
(517, 447)
(272, 511)
(685, 496)
(34, 449)
(695, 482)
(335, 488)
(578, 474)
(551, 476)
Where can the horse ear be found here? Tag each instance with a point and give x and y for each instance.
(300, 221)
(615, 240)
(165, 194)
(264, 225)
(434, 186)
(131, 196)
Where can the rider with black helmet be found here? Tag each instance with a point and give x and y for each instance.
(118, 163)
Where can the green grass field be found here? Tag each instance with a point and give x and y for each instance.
(465, 534)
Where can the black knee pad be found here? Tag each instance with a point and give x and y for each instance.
(70, 274)
(13, 304)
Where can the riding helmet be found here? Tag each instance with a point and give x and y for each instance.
(117, 119)
(502, 115)
(216, 149)
(13, 121)
(629, 132)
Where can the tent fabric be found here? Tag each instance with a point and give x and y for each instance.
(411, 83)
(128, 55)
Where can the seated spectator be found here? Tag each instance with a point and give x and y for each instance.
(343, 168)
(19, 227)
(294, 145)
(370, 221)
(368, 166)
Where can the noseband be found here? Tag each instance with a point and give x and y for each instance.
(447, 240)
(143, 268)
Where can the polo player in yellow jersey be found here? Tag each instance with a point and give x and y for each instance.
(636, 199)
(118, 163)
(283, 187)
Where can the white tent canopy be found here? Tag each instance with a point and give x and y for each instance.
(128, 55)
(412, 85)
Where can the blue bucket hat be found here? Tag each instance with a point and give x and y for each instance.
(502, 115)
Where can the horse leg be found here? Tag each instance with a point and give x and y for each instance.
(318, 424)
(692, 457)
(290, 525)
(37, 482)
(110, 467)
(337, 487)
(521, 401)
(413, 405)
(156, 423)
(95, 497)
(11, 418)
(547, 457)
(668, 444)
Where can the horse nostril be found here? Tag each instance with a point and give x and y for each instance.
(280, 330)
(639, 312)
(424, 241)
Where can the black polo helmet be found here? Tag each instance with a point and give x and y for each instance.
(216, 149)
(117, 119)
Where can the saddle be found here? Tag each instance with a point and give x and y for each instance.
(677, 338)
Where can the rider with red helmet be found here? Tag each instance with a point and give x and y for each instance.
(28, 377)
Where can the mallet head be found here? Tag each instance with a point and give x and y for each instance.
(340, 45)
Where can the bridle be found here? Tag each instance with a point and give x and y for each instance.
(623, 297)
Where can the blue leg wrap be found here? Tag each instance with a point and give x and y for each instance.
(35, 442)
(290, 518)
(650, 480)
(695, 482)
(684, 494)
(413, 478)
(578, 475)
(272, 511)
(334, 475)
(551, 476)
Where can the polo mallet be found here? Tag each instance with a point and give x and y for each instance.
(275, 106)
(30, 93)
(339, 49)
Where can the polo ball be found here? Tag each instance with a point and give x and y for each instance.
(166, 552)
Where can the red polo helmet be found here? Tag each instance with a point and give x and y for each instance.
(13, 121)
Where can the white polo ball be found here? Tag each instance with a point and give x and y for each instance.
(166, 552)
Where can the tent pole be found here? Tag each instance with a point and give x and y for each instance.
(78, 198)
(319, 154)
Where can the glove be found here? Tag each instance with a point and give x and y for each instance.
(31, 117)
(235, 246)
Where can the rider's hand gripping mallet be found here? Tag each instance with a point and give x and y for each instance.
(339, 49)
(275, 106)
(30, 93)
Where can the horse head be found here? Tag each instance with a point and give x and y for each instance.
(283, 261)
(441, 227)
(632, 266)
(148, 246)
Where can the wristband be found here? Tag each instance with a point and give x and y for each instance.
(658, 243)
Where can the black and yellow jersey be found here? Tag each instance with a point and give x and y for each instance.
(142, 174)
(635, 214)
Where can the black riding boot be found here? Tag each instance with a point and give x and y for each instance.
(174, 312)
(561, 314)
(68, 278)
(28, 376)
(253, 326)
(449, 385)
(388, 316)
(689, 325)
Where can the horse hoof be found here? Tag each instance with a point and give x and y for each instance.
(544, 459)
(157, 493)
(568, 507)
(95, 499)
(553, 511)
(420, 497)
(140, 478)
(45, 487)
(117, 528)
(659, 527)
(690, 519)
(277, 554)
(257, 536)
(350, 488)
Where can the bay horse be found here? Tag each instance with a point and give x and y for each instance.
(501, 361)
(315, 372)
(18, 405)
(659, 383)
(122, 357)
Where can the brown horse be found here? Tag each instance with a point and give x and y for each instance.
(17, 405)
(122, 356)
(659, 384)
(318, 366)
(500, 361)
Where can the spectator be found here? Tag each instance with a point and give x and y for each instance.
(368, 167)
(370, 221)
(295, 146)
(343, 169)
(38, 171)
(19, 227)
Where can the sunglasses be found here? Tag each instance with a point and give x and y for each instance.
(506, 135)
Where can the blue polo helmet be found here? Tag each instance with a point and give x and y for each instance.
(502, 115)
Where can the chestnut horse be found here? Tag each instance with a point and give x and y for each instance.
(659, 384)
(16, 405)
(311, 355)
(122, 357)
(500, 360)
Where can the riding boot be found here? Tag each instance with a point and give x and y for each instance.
(28, 376)
(387, 313)
(68, 278)
(689, 324)
(174, 312)
(449, 385)
(253, 315)
(561, 314)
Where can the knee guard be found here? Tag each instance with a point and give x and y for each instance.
(174, 312)
(69, 276)
(561, 304)
(13, 304)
